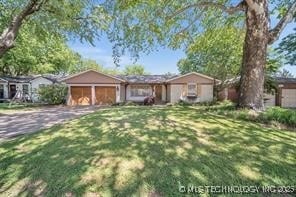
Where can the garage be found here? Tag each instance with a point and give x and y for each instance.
(105, 95)
(80, 95)
(289, 98)
(269, 100)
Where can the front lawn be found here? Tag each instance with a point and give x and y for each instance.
(140, 151)
(4, 107)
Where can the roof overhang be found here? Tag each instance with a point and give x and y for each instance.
(91, 70)
(3, 80)
(194, 73)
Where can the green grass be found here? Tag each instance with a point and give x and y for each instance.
(15, 107)
(140, 151)
(273, 116)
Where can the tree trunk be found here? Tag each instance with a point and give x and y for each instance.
(254, 56)
(10, 33)
(7, 39)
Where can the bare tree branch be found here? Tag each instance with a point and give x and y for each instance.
(229, 10)
(276, 31)
(9, 34)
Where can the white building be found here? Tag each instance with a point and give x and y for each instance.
(25, 85)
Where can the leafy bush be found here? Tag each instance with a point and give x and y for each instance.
(149, 100)
(271, 115)
(281, 115)
(53, 94)
(183, 103)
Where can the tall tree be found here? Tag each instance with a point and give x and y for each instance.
(288, 48)
(216, 52)
(80, 18)
(139, 25)
(134, 69)
(86, 64)
(35, 55)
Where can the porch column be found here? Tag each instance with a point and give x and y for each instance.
(163, 92)
(166, 92)
(118, 89)
(93, 95)
(69, 95)
(125, 92)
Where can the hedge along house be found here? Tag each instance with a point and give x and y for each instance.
(95, 88)
(27, 85)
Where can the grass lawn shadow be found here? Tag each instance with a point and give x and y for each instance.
(142, 151)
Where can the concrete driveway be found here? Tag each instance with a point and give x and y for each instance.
(22, 122)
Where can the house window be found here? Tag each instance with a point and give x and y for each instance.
(1, 91)
(192, 89)
(140, 90)
(25, 89)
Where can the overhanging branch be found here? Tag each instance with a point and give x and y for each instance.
(287, 18)
(9, 34)
(229, 10)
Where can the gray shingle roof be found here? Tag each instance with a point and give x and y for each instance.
(19, 79)
(285, 80)
(235, 80)
(145, 78)
(27, 79)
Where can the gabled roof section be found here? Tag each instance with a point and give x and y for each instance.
(17, 79)
(71, 77)
(27, 79)
(3, 80)
(191, 73)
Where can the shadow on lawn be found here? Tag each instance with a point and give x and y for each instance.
(143, 150)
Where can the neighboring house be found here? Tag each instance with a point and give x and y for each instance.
(95, 88)
(286, 92)
(26, 85)
(284, 95)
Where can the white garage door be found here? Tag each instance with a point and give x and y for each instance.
(288, 97)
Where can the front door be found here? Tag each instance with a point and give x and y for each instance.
(12, 91)
(158, 93)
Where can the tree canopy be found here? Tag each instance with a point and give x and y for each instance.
(284, 73)
(75, 18)
(33, 54)
(216, 52)
(141, 26)
(134, 69)
(288, 48)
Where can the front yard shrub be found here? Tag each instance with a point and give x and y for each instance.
(149, 100)
(281, 115)
(53, 94)
(272, 115)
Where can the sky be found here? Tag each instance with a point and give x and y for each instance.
(161, 61)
